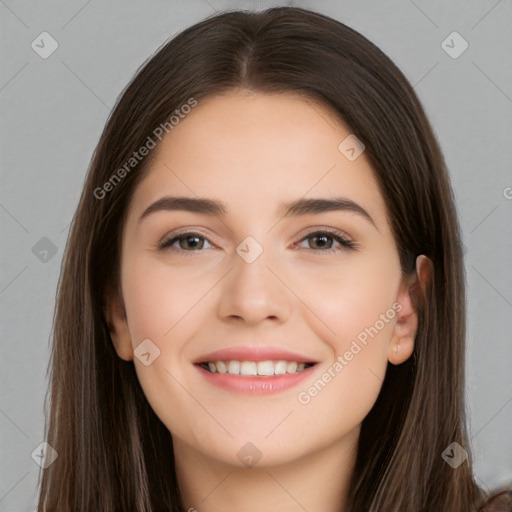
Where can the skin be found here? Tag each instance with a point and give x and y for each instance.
(252, 151)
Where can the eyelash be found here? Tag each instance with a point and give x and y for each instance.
(166, 243)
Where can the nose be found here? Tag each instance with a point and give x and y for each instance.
(254, 292)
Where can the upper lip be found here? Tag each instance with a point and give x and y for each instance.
(243, 353)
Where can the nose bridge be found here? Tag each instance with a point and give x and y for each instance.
(252, 291)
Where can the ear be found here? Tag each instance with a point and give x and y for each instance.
(411, 293)
(118, 326)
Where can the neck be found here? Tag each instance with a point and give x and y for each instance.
(316, 481)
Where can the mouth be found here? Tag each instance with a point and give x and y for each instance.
(267, 368)
(254, 370)
(255, 377)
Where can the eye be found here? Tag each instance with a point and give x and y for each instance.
(190, 241)
(325, 239)
(187, 241)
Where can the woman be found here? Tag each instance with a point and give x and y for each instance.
(207, 356)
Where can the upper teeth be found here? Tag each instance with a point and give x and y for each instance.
(266, 368)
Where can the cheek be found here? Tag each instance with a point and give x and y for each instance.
(357, 308)
(352, 378)
(341, 397)
(358, 311)
(354, 299)
(363, 317)
(160, 306)
(165, 306)
(160, 299)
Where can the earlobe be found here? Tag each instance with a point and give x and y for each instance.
(118, 326)
(405, 330)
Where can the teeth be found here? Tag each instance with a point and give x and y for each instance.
(248, 368)
(265, 368)
(251, 368)
(234, 367)
(291, 367)
(280, 367)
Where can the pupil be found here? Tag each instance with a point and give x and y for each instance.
(321, 237)
(189, 238)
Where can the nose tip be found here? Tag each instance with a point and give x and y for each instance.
(252, 292)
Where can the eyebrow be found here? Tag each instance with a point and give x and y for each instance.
(289, 209)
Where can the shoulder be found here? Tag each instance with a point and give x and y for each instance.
(497, 502)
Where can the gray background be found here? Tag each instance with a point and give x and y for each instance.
(53, 111)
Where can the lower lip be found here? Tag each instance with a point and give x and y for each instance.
(257, 385)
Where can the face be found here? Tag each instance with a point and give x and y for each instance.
(250, 321)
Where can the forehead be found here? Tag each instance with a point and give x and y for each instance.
(250, 148)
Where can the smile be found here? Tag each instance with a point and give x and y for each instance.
(253, 368)
(255, 378)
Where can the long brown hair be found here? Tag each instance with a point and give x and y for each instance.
(113, 451)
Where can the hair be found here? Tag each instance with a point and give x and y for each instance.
(114, 453)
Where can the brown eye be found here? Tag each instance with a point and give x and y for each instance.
(323, 241)
(186, 242)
